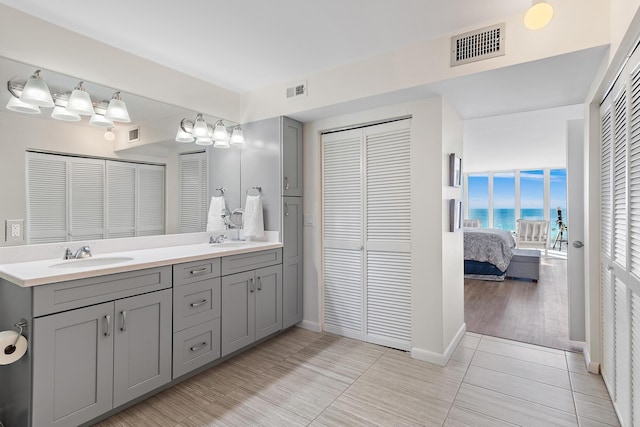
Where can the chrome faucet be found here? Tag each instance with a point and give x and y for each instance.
(218, 239)
(82, 252)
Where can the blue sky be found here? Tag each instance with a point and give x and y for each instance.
(531, 190)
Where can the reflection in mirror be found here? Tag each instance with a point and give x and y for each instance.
(148, 139)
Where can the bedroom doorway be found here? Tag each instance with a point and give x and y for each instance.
(549, 311)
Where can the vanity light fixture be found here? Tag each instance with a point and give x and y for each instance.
(101, 120)
(15, 104)
(200, 128)
(202, 133)
(237, 136)
(61, 113)
(182, 136)
(204, 141)
(117, 109)
(80, 101)
(221, 143)
(539, 15)
(36, 92)
(220, 132)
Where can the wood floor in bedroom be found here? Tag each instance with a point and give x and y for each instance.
(530, 312)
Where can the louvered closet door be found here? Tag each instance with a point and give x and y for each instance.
(635, 357)
(193, 192)
(388, 234)
(86, 194)
(121, 199)
(150, 220)
(46, 198)
(620, 178)
(342, 213)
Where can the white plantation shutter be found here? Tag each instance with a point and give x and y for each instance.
(343, 233)
(634, 175)
(121, 199)
(620, 179)
(193, 192)
(608, 325)
(388, 226)
(622, 349)
(46, 198)
(150, 220)
(635, 358)
(605, 182)
(86, 194)
(367, 233)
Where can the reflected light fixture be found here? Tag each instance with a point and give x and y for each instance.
(80, 101)
(100, 120)
(15, 104)
(117, 110)
(200, 128)
(109, 135)
(237, 136)
(204, 141)
(539, 15)
(61, 113)
(183, 136)
(36, 92)
(221, 143)
(220, 132)
(202, 133)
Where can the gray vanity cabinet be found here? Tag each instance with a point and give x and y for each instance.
(238, 311)
(73, 366)
(292, 261)
(268, 294)
(291, 157)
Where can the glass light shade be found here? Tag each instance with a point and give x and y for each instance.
(80, 102)
(36, 92)
(220, 132)
(183, 136)
(237, 137)
(117, 111)
(200, 129)
(109, 135)
(221, 143)
(538, 16)
(15, 104)
(100, 120)
(60, 113)
(204, 141)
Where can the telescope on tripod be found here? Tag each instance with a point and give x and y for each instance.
(562, 227)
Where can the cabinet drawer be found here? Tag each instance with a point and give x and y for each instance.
(195, 347)
(195, 271)
(196, 303)
(245, 262)
(64, 296)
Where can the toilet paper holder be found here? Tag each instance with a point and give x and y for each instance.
(22, 325)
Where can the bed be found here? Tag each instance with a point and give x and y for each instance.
(487, 253)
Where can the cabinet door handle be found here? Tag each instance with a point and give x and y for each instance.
(198, 304)
(123, 313)
(259, 283)
(108, 321)
(286, 183)
(198, 271)
(198, 347)
(286, 209)
(251, 285)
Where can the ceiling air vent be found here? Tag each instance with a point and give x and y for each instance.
(297, 90)
(134, 134)
(477, 45)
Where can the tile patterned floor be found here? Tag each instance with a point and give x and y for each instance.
(306, 378)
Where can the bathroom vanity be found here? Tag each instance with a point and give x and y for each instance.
(107, 331)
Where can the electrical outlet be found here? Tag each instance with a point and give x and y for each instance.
(14, 230)
(308, 219)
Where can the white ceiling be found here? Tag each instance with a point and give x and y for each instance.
(244, 45)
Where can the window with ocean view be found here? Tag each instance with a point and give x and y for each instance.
(504, 200)
(478, 192)
(532, 194)
(558, 197)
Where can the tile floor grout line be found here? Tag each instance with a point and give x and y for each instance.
(525, 378)
(461, 380)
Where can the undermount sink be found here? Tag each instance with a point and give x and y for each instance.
(91, 262)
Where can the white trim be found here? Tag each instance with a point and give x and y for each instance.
(592, 367)
(437, 358)
(309, 325)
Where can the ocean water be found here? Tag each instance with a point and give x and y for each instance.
(505, 219)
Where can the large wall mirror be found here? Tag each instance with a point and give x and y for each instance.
(148, 139)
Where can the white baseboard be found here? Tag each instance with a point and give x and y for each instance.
(440, 359)
(592, 367)
(312, 326)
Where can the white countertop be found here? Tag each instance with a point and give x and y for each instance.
(42, 272)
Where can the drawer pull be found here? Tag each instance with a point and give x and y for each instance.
(259, 283)
(124, 320)
(198, 304)
(198, 271)
(198, 347)
(108, 319)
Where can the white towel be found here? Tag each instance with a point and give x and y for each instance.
(214, 220)
(253, 220)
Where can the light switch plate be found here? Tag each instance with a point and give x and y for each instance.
(308, 220)
(14, 230)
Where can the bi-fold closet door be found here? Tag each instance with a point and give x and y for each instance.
(366, 178)
(620, 242)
